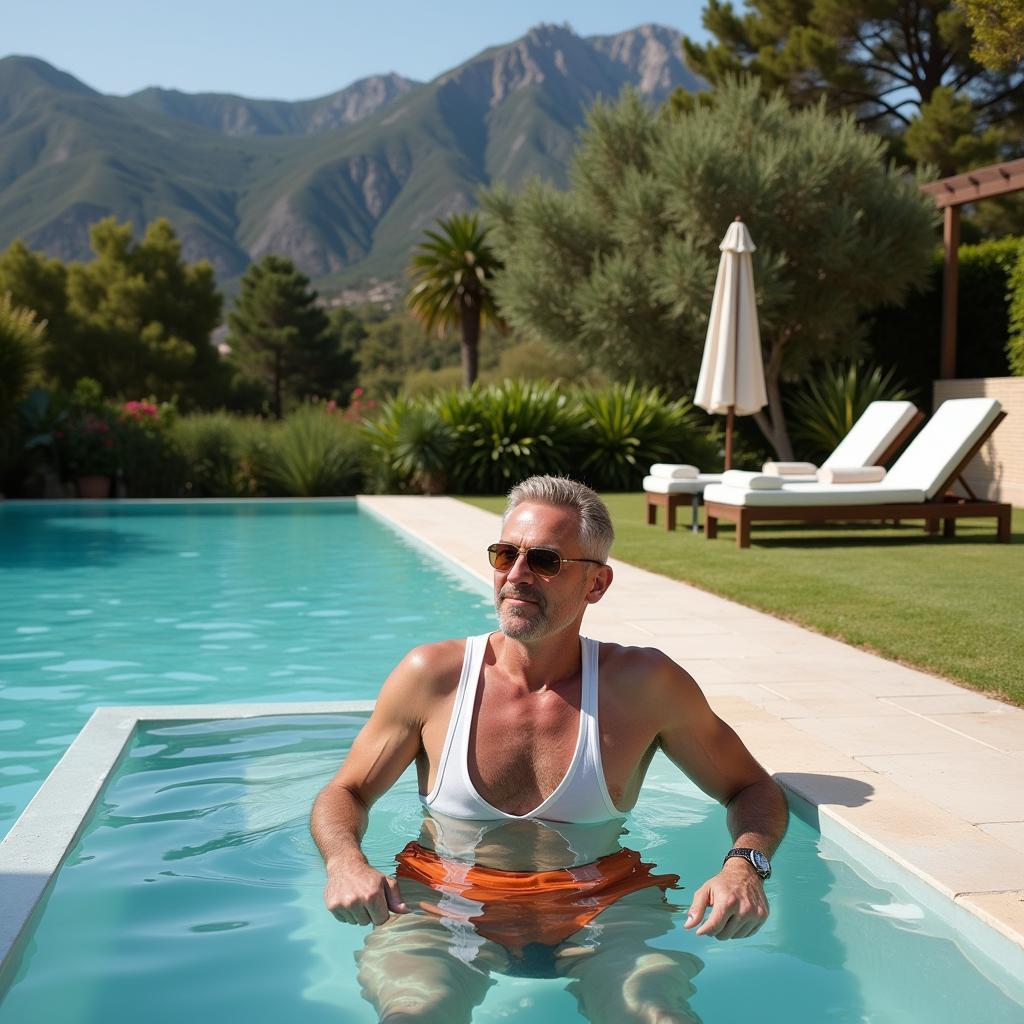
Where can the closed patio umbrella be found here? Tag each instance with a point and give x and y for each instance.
(731, 377)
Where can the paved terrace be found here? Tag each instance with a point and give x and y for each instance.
(927, 772)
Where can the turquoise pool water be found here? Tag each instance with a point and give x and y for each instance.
(197, 602)
(195, 893)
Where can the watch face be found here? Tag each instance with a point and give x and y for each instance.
(760, 861)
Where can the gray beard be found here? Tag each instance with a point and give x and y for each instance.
(520, 627)
(516, 628)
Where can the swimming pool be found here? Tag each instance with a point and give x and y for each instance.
(185, 602)
(196, 889)
(196, 883)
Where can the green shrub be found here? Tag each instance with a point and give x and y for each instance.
(32, 468)
(219, 453)
(313, 452)
(908, 338)
(822, 413)
(412, 446)
(431, 382)
(627, 427)
(509, 431)
(21, 338)
(150, 464)
(481, 440)
(89, 440)
(1015, 298)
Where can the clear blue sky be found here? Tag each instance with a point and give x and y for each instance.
(296, 50)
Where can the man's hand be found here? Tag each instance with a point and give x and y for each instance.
(359, 894)
(736, 896)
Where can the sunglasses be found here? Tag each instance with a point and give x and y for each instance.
(544, 562)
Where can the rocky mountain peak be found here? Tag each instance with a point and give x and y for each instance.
(652, 57)
(340, 201)
(358, 100)
(553, 55)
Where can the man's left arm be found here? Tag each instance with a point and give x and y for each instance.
(713, 756)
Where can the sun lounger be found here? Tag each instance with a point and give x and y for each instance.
(872, 441)
(669, 494)
(917, 487)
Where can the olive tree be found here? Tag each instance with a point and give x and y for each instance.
(621, 265)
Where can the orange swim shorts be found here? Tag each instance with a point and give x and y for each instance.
(518, 908)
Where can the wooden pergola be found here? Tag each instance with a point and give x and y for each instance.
(949, 195)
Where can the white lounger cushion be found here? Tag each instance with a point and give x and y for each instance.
(751, 481)
(809, 495)
(674, 471)
(918, 474)
(868, 440)
(851, 475)
(942, 444)
(879, 425)
(788, 469)
(660, 485)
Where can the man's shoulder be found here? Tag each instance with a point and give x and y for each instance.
(644, 666)
(440, 656)
(430, 668)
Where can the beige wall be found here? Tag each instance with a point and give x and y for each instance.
(997, 471)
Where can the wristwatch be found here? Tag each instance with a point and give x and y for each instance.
(757, 860)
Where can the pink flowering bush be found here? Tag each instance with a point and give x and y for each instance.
(88, 444)
(141, 412)
(87, 438)
(359, 407)
(150, 464)
(356, 411)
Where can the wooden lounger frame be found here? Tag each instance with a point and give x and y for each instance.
(670, 502)
(946, 506)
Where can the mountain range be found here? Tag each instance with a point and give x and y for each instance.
(344, 184)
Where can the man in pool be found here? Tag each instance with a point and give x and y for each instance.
(526, 771)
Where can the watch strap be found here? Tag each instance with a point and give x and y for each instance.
(751, 856)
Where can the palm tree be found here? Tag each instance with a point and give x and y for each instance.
(452, 273)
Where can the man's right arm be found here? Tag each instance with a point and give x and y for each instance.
(356, 892)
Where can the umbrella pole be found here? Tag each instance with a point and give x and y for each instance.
(728, 436)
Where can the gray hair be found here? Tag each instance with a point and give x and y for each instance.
(596, 532)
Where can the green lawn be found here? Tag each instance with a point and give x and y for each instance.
(954, 607)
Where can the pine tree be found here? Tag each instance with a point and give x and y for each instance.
(281, 337)
(892, 63)
(998, 27)
(137, 318)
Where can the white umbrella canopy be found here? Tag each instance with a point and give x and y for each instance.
(731, 377)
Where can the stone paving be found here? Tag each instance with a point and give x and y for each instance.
(925, 771)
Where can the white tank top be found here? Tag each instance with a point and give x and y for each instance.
(582, 795)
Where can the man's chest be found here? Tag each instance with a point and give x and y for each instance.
(520, 748)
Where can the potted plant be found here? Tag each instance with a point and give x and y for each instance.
(89, 444)
(88, 441)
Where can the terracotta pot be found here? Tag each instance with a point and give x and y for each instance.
(93, 486)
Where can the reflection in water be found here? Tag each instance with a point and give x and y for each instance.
(530, 899)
